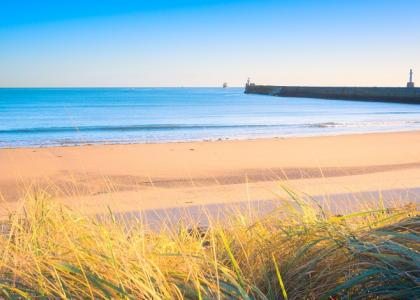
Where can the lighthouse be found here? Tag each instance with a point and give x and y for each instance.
(410, 84)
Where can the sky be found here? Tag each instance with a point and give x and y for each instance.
(109, 43)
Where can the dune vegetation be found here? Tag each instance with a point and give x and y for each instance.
(298, 251)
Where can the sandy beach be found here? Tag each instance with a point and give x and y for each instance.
(155, 176)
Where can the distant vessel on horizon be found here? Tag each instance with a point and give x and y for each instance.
(225, 85)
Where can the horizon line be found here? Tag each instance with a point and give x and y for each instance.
(218, 86)
(111, 87)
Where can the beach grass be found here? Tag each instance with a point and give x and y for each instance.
(298, 251)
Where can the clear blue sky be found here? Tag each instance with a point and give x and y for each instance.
(204, 43)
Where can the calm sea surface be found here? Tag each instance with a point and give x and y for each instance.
(46, 117)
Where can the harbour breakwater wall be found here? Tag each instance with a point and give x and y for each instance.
(377, 94)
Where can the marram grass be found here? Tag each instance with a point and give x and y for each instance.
(297, 252)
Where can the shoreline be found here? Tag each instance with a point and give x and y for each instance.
(90, 144)
(162, 175)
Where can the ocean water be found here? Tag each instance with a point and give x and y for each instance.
(47, 117)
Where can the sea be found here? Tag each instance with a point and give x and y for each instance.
(78, 116)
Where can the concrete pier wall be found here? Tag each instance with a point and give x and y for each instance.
(378, 94)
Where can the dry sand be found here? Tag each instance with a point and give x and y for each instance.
(155, 176)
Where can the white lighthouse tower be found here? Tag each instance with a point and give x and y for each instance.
(410, 84)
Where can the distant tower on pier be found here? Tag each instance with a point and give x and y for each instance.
(249, 83)
(410, 84)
